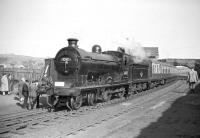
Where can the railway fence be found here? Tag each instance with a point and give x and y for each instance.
(18, 73)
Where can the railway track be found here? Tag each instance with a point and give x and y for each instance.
(18, 124)
(110, 115)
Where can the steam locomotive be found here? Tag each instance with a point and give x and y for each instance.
(75, 76)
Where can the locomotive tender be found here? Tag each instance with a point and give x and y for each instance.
(75, 76)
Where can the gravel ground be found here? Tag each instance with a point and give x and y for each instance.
(175, 116)
(10, 104)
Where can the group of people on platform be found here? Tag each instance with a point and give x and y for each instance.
(28, 94)
(27, 91)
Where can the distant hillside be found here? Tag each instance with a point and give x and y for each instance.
(20, 61)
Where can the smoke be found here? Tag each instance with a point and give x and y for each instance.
(134, 49)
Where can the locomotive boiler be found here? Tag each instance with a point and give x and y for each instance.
(76, 67)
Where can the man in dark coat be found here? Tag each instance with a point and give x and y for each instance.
(23, 92)
(20, 87)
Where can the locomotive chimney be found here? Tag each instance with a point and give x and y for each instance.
(72, 42)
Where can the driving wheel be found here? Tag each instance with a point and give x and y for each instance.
(91, 99)
(106, 96)
(76, 102)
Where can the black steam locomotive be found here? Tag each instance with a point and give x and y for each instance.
(75, 76)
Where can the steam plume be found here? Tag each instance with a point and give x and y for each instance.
(134, 49)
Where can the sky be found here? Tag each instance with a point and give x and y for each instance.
(39, 28)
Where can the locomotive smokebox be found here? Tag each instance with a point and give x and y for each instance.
(72, 42)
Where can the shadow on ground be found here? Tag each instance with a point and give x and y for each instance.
(42, 102)
(181, 120)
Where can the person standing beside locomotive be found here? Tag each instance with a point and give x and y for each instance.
(32, 94)
(23, 92)
(20, 86)
(192, 79)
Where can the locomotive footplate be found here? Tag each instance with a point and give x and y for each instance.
(63, 91)
(67, 91)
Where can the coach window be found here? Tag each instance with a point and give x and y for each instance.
(152, 68)
(155, 68)
(125, 60)
(164, 70)
(159, 68)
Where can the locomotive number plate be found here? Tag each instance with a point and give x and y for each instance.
(59, 83)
